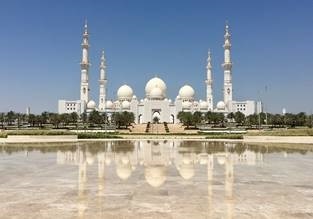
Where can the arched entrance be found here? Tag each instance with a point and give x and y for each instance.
(156, 116)
(172, 119)
(140, 119)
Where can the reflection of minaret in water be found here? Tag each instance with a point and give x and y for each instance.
(229, 182)
(101, 167)
(82, 179)
(210, 180)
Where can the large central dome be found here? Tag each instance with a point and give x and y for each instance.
(155, 88)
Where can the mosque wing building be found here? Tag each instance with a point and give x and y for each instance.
(156, 103)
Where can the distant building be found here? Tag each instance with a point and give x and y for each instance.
(27, 111)
(156, 103)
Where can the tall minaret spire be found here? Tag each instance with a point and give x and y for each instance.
(227, 65)
(103, 83)
(209, 82)
(84, 67)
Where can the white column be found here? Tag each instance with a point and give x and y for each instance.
(84, 66)
(209, 82)
(227, 65)
(103, 83)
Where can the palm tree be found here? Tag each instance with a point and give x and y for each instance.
(196, 118)
(74, 118)
(10, 117)
(231, 116)
(239, 117)
(84, 118)
(2, 119)
(55, 119)
(95, 118)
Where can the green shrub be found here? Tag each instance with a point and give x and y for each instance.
(88, 135)
(3, 134)
(39, 132)
(225, 136)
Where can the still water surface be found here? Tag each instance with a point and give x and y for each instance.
(156, 179)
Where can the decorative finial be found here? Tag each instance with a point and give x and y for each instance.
(209, 60)
(226, 27)
(86, 26)
(103, 64)
(227, 34)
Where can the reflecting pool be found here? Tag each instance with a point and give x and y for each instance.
(156, 179)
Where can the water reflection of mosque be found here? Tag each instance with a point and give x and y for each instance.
(156, 157)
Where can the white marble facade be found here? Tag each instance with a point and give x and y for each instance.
(156, 103)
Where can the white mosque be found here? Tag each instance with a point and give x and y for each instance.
(156, 103)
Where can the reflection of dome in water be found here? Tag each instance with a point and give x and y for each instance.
(187, 171)
(221, 160)
(108, 161)
(89, 158)
(155, 175)
(123, 171)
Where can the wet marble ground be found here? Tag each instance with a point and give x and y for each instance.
(156, 180)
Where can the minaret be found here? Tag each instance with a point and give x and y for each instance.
(103, 83)
(84, 66)
(209, 82)
(227, 65)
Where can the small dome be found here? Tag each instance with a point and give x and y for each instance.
(125, 92)
(155, 83)
(156, 93)
(186, 92)
(186, 104)
(155, 175)
(220, 105)
(125, 104)
(203, 105)
(109, 104)
(91, 104)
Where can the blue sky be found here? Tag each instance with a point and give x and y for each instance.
(40, 49)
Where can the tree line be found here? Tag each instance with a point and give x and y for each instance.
(239, 119)
(65, 120)
(124, 119)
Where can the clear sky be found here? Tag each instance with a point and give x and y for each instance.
(40, 49)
